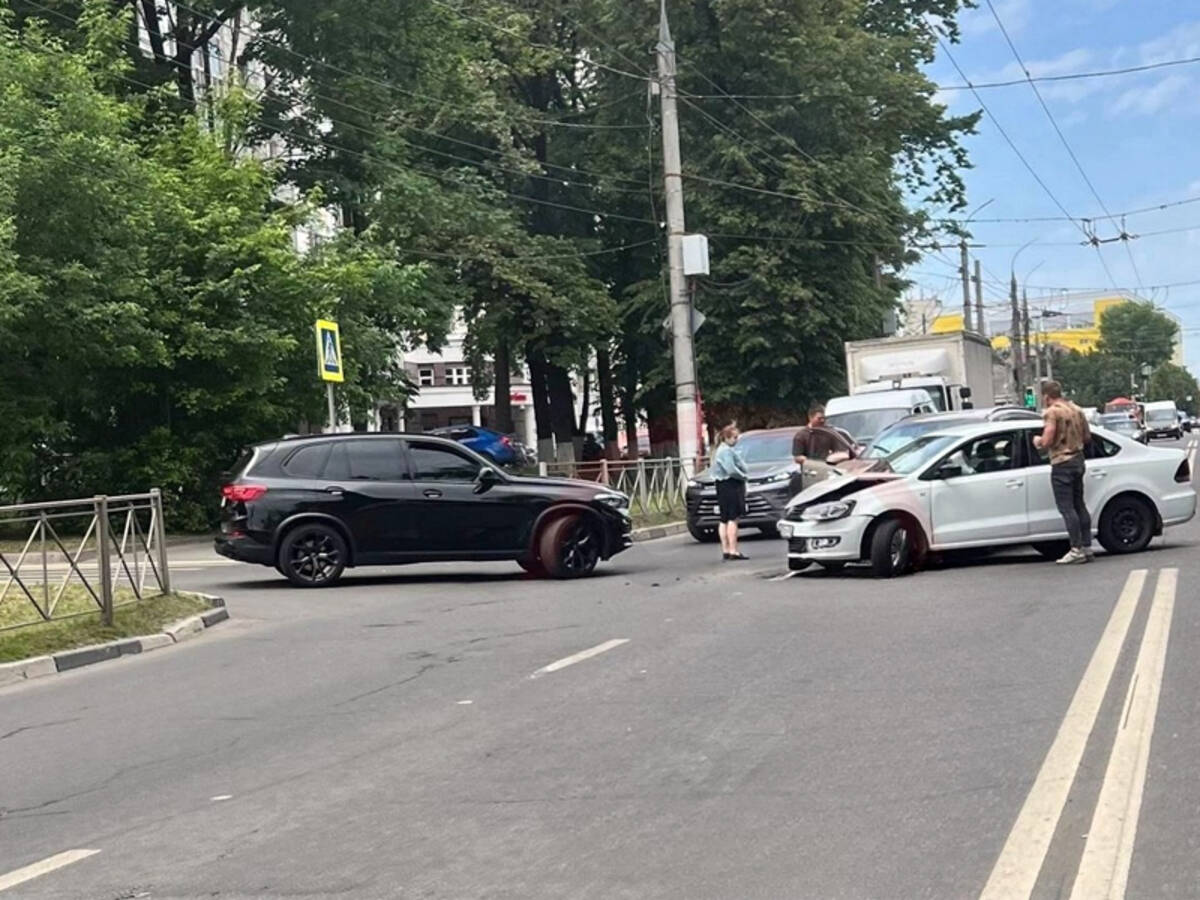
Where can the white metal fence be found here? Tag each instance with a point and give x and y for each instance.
(53, 557)
(653, 485)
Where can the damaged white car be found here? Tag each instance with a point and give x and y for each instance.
(981, 486)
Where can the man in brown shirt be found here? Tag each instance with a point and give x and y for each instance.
(1064, 437)
(815, 441)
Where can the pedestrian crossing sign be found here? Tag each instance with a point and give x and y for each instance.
(329, 351)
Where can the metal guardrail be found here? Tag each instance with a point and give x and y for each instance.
(98, 561)
(653, 485)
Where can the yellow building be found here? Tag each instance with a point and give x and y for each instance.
(1082, 327)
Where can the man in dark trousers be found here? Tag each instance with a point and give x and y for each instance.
(1064, 437)
(814, 441)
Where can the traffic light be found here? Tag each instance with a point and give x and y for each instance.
(1030, 398)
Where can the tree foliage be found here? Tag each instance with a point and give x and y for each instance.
(500, 158)
(1139, 333)
(156, 312)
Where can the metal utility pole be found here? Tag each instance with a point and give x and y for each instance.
(1014, 343)
(686, 413)
(966, 284)
(980, 321)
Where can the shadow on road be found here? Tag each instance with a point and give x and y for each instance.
(401, 579)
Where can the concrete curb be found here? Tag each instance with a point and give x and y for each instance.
(36, 667)
(655, 532)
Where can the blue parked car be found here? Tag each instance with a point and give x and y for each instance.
(499, 448)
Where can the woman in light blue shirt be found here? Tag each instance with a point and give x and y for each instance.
(729, 472)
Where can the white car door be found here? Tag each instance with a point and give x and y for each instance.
(978, 493)
(1045, 521)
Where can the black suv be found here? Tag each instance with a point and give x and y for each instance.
(313, 506)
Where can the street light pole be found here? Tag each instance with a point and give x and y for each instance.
(686, 412)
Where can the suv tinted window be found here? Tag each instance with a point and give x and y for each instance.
(366, 460)
(307, 462)
(434, 463)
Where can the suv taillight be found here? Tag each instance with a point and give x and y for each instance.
(1184, 473)
(242, 493)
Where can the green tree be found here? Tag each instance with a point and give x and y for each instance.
(157, 314)
(1139, 333)
(1172, 382)
(1092, 379)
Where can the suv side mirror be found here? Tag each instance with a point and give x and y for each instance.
(965, 393)
(948, 470)
(486, 479)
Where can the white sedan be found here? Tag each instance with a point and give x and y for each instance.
(983, 485)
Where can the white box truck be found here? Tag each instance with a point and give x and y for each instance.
(958, 369)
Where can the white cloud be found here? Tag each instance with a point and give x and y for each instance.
(1181, 41)
(1076, 117)
(1015, 14)
(1147, 101)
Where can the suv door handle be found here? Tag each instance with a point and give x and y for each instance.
(1099, 474)
(1014, 483)
(336, 490)
(432, 493)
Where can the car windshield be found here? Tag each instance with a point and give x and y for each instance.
(1118, 423)
(918, 453)
(902, 433)
(763, 448)
(864, 424)
(1161, 415)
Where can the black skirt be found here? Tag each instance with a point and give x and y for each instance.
(731, 499)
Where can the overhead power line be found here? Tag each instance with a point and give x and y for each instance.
(1021, 156)
(984, 85)
(1124, 237)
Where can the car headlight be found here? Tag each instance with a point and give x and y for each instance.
(616, 501)
(693, 483)
(827, 512)
(772, 479)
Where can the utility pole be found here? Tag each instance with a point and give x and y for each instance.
(1014, 342)
(1026, 354)
(980, 321)
(686, 414)
(1039, 345)
(966, 284)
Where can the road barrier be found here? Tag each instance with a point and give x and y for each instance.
(653, 485)
(99, 561)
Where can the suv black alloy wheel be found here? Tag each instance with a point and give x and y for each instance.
(312, 555)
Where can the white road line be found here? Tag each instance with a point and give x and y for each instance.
(580, 656)
(46, 866)
(1016, 870)
(1104, 868)
(1192, 450)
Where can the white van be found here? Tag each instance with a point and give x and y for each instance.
(1162, 420)
(865, 415)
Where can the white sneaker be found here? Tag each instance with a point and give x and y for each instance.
(1073, 557)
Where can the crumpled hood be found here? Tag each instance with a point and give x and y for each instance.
(841, 486)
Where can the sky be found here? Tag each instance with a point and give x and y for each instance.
(1136, 136)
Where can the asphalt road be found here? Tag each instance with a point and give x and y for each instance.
(974, 730)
